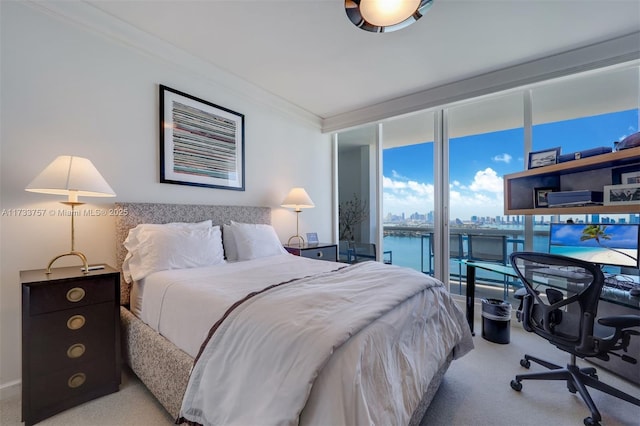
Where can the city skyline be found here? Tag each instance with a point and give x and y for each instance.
(427, 218)
(478, 162)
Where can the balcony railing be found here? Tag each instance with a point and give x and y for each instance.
(512, 239)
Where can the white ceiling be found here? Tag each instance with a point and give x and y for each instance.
(308, 52)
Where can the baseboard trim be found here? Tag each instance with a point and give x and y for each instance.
(10, 390)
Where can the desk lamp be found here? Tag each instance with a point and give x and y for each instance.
(297, 199)
(71, 176)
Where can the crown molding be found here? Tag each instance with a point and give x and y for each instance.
(611, 52)
(90, 18)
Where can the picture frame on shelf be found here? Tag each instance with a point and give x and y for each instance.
(543, 158)
(312, 238)
(201, 143)
(622, 195)
(540, 196)
(626, 175)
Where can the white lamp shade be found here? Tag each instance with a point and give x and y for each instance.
(72, 176)
(298, 199)
(384, 13)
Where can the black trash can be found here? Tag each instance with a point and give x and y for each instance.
(496, 320)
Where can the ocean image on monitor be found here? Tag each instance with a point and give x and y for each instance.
(606, 244)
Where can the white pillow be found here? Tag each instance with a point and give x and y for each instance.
(132, 238)
(163, 248)
(229, 243)
(255, 240)
(131, 242)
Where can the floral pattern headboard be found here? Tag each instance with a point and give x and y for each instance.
(132, 214)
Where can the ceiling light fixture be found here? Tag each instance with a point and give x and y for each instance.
(383, 16)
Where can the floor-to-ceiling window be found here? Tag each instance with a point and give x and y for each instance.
(485, 142)
(485, 139)
(586, 113)
(408, 190)
(357, 192)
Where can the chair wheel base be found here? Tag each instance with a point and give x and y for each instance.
(516, 385)
(525, 363)
(589, 421)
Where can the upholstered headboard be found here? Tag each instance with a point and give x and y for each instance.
(133, 214)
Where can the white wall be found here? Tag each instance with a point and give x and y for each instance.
(68, 89)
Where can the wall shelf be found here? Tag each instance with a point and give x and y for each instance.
(591, 173)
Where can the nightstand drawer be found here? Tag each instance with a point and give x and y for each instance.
(318, 251)
(51, 392)
(323, 253)
(61, 339)
(70, 294)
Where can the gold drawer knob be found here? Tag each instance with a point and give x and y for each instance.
(76, 294)
(76, 322)
(76, 351)
(76, 380)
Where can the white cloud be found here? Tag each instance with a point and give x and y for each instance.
(503, 158)
(407, 196)
(483, 197)
(388, 183)
(487, 180)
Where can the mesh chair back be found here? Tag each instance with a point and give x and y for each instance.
(562, 299)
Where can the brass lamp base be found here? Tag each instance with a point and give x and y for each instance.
(71, 253)
(299, 237)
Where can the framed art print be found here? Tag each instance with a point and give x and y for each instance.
(625, 194)
(540, 196)
(201, 144)
(626, 175)
(312, 237)
(543, 158)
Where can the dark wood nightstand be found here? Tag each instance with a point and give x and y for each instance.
(70, 339)
(321, 251)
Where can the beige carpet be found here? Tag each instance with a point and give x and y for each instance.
(475, 391)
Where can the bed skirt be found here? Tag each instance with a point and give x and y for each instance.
(164, 369)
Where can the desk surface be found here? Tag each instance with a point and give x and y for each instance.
(609, 294)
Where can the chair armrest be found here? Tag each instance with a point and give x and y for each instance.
(620, 321)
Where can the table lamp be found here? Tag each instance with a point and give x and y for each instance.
(297, 199)
(71, 176)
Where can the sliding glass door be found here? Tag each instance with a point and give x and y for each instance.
(437, 176)
(485, 141)
(408, 190)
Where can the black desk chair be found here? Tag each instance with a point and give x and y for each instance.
(567, 320)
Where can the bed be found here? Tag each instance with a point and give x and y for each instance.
(354, 382)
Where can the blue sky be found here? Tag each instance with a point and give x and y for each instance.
(479, 162)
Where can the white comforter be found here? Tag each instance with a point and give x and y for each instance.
(393, 347)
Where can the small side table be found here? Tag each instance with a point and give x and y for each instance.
(70, 339)
(319, 251)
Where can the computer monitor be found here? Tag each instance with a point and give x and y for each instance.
(604, 244)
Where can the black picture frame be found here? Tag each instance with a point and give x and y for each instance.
(201, 143)
(543, 158)
(540, 196)
(625, 175)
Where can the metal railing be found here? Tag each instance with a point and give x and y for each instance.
(457, 273)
